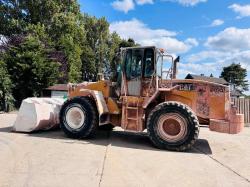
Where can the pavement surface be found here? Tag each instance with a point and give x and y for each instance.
(119, 158)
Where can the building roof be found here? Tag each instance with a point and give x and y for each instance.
(58, 87)
(208, 79)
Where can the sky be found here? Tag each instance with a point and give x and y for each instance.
(207, 34)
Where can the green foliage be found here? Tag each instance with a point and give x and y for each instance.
(236, 75)
(88, 63)
(6, 99)
(113, 53)
(29, 67)
(128, 43)
(73, 52)
(101, 49)
(96, 46)
(52, 41)
(15, 15)
(61, 20)
(11, 18)
(67, 32)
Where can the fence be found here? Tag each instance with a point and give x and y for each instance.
(243, 107)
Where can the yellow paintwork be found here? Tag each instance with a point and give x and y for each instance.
(101, 86)
(216, 104)
(112, 106)
(91, 89)
(185, 97)
(218, 108)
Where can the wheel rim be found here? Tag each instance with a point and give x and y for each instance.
(75, 117)
(172, 127)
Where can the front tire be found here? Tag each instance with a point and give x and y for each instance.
(173, 126)
(79, 118)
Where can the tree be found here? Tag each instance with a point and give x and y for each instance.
(128, 43)
(113, 53)
(68, 35)
(6, 99)
(88, 58)
(12, 18)
(29, 67)
(96, 46)
(236, 75)
(61, 20)
(15, 15)
(43, 38)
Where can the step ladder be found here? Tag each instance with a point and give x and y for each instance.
(131, 115)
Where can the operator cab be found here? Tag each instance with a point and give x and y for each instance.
(140, 65)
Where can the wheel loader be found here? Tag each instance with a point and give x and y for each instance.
(147, 96)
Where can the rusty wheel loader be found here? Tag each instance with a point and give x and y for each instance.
(147, 95)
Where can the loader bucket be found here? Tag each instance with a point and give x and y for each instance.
(38, 114)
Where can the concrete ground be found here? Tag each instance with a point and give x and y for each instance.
(120, 159)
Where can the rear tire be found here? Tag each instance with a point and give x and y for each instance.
(173, 126)
(79, 118)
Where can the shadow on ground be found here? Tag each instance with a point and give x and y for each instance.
(116, 138)
(6, 129)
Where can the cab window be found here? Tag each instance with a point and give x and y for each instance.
(133, 63)
(128, 62)
(149, 62)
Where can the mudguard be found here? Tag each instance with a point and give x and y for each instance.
(99, 100)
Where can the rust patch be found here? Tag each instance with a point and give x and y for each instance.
(202, 105)
(165, 84)
(217, 90)
(203, 108)
(201, 90)
(148, 87)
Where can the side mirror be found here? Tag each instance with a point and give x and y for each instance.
(177, 59)
(175, 67)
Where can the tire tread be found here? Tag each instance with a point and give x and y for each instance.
(91, 129)
(160, 143)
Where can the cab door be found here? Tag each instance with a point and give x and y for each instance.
(133, 71)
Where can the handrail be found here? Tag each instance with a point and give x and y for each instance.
(169, 72)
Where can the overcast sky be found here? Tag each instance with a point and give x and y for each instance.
(207, 34)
